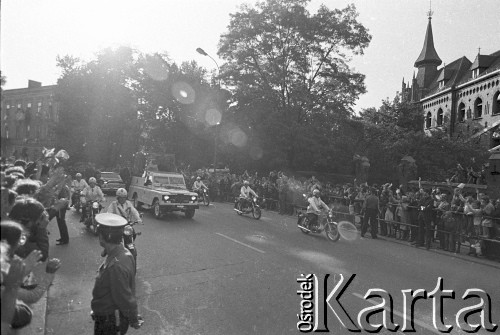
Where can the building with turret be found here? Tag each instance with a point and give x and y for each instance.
(460, 97)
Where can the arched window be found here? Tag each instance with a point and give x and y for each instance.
(428, 120)
(461, 112)
(496, 103)
(478, 108)
(440, 117)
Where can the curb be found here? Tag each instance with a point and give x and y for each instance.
(37, 325)
(464, 257)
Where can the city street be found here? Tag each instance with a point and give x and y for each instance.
(221, 273)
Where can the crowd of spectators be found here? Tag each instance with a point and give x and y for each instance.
(447, 217)
(30, 198)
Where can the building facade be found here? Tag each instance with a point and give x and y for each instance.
(28, 118)
(461, 97)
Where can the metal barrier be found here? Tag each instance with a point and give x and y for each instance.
(459, 237)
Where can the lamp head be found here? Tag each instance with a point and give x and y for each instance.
(201, 51)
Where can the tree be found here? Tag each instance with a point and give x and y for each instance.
(396, 130)
(290, 75)
(97, 106)
(124, 101)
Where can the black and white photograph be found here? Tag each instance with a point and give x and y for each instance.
(234, 167)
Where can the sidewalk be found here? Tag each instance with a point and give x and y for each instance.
(37, 325)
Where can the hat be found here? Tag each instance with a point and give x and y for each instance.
(110, 221)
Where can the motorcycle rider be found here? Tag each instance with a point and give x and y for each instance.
(77, 185)
(91, 193)
(313, 210)
(245, 194)
(198, 186)
(123, 207)
(98, 178)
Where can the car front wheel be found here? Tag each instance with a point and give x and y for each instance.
(156, 209)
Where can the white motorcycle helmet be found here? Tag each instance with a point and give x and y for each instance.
(78, 175)
(92, 180)
(121, 192)
(198, 178)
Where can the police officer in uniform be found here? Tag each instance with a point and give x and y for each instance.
(114, 305)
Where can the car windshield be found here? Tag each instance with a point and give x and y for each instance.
(170, 181)
(110, 175)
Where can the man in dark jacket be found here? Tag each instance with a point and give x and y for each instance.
(371, 209)
(426, 206)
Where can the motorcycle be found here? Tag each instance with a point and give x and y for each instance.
(93, 208)
(252, 206)
(76, 200)
(326, 223)
(129, 236)
(203, 194)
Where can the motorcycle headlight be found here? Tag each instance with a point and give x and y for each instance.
(193, 197)
(95, 205)
(330, 215)
(128, 230)
(166, 197)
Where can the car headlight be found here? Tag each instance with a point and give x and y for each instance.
(193, 197)
(95, 205)
(166, 197)
(127, 230)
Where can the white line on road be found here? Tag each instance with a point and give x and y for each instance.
(244, 244)
(418, 322)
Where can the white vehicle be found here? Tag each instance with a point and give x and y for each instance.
(163, 192)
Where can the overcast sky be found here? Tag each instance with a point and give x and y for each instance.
(34, 32)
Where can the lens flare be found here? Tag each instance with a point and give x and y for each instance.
(183, 92)
(237, 137)
(256, 152)
(348, 230)
(213, 116)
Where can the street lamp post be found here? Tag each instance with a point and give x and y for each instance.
(202, 52)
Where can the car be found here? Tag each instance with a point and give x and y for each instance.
(163, 192)
(111, 182)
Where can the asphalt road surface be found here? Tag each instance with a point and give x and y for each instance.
(221, 273)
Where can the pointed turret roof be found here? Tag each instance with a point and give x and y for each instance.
(428, 54)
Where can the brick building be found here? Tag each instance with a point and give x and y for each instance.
(28, 116)
(461, 97)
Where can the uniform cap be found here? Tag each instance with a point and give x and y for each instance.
(315, 191)
(92, 180)
(110, 221)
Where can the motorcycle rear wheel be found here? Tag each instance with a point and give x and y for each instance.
(302, 222)
(332, 232)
